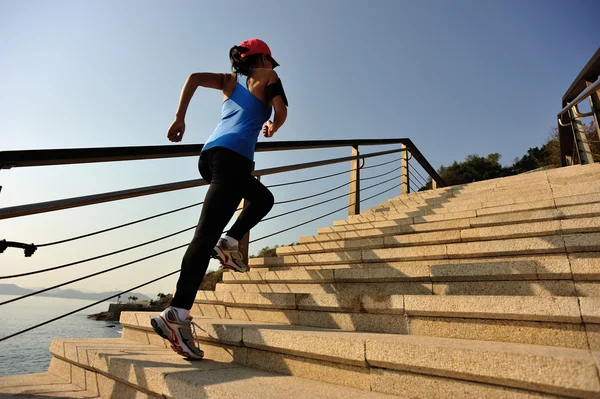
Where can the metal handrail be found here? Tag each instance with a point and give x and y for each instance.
(48, 206)
(23, 158)
(570, 128)
(582, 96)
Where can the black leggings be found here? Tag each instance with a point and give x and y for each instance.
(230, 179)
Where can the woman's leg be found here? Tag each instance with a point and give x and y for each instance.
(228, 173)
(261, 201)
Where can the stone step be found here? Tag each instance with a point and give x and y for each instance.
(507, 275)
(563, 176)
(449, 197)
(417, 209)
(511, 288)
(576, 266)
(501, 182)
(413, 209)
(408, 362)
(558, 243)
(554, 321)
(490, 197)
(392, 219)
(557, 309)
(511, 275)
(364, 230)
(516, 229)
(128, 369)
(42, 385)
(429, 214)
(474, 200)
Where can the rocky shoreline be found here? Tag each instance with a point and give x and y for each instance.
(115, 309)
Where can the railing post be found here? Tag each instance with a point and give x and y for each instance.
(583, 148)
(354, 197)
(565, 139)
(595, 104)
(405, 186)
(244, 243)
(433, 184)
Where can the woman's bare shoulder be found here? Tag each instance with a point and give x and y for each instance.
(266, 74)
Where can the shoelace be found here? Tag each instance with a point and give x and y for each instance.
(237, 255)
(193, 331)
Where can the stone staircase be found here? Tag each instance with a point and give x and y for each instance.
(487, 290)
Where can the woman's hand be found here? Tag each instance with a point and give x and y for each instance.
(268, 129)
(175, 132)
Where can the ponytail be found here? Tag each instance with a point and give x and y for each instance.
(239, 64)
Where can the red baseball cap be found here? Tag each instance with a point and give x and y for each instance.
(257, 46)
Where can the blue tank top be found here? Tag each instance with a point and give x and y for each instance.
(242, 117)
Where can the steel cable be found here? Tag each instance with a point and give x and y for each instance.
(187, 207)
(119, 226)
(322, 202)
(86, 307)
(320, 217)
(336, 188)
(179, 232)
(182, 246)
(95, 257)
(91, 275)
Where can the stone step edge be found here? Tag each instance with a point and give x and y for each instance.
(412, 353)
(490, 207)
(580, 273)
(580, 266)
(456, 217)
(474, 199)
(42, 385)
(450, 236)
(392, 213)
(571, 172)
(499, 195)
(84, 373)
(574, 310)
(423, 389)
(185, 385)
(501, 184)
(542, 245)
(464, 223)
(511, 209)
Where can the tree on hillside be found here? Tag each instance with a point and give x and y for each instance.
(211, 279)
(161, 296)
(549, 154)
(269, 252)
(134, 298)
(473, 168)
(534, 159)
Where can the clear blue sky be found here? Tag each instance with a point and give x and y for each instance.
(457, 77)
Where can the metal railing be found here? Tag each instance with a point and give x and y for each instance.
(402, 174)
(574, 144)
(28, 158)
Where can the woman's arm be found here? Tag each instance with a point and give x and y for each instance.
(204, 79)
(279, 106)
